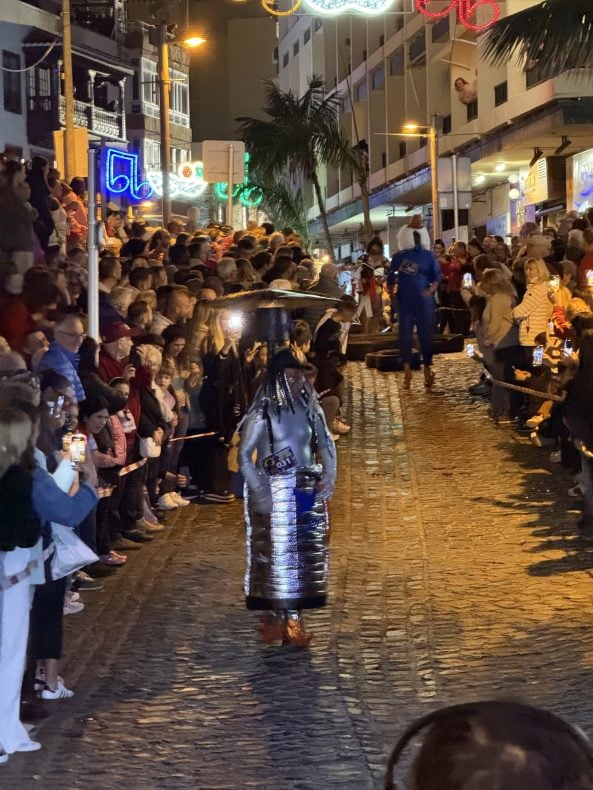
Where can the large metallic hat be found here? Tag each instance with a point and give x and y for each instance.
(273, 297)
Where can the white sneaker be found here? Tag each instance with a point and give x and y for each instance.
(576, 492)
(60, 693)
(73, 607)
(176, 496)
(72, 596)
(167, 502)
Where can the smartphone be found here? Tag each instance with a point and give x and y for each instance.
(589, 278)
(77, 450)
(469, 349)
(468, 280)
(567, 348)
(554, 282)
(538, 356)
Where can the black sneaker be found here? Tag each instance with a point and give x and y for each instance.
(210, 498)
(137, 536)
(190, 492)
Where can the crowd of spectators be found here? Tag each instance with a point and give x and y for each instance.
(531, 308)
(157, 397)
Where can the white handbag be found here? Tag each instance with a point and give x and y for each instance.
(149, 448)
(71, 553)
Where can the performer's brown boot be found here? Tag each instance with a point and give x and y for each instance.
(296, 635)
(407, 376)
(271, 629)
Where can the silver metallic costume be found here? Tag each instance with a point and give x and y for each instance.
(288, 460)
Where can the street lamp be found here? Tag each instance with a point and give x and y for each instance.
(165, 104)
(417, 130)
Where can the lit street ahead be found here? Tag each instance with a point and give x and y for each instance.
(455, 575)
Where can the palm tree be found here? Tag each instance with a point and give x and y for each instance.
(556, 33)
(287, 207)
(302, 134)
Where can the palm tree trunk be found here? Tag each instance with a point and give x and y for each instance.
(323, 213)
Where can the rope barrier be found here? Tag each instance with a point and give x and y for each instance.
(529, 391)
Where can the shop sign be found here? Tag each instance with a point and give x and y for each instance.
(582, 180)
(536, 183)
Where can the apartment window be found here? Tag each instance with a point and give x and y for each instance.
(347, 42)
(13, 99)
(361, 91)
(403, 149)
(364, 54)
(150, 86)
(472, 110)
(383, 159)
(447, 124)
(396, 63)
(346, 103)
(296, 48)
(378, 78)
(501, 93)
(180, 97)
(381, 40)
(307, 36)
(285, 60)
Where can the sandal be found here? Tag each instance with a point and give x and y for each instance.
(429, 378)
(407, 379)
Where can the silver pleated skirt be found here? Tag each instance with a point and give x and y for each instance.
(287, 550)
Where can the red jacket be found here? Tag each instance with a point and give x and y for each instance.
(451, 274)
(110, 368)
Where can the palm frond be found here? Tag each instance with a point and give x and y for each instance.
(557, 34)
(288, 208)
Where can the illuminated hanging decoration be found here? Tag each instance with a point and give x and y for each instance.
(121, 174)
(466, 12)
(188, 182)
(247, 193)
(271, 6)
(330, 7)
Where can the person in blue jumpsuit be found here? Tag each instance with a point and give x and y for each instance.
(416, 273)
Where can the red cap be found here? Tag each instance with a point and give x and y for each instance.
(114, 332)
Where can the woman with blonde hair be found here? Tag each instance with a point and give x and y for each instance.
(531, 315)
(499, 331)
(205, 332)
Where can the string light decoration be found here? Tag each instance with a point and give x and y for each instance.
(271, 6)
(330, 7)
(466, 9)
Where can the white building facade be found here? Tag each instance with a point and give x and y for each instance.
(401, 67)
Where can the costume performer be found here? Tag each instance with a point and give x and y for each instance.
(288, 460)
(417, 274)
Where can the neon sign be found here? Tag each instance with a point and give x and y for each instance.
(187, 182)
(466, 9)
(121, 176)
(247, 193)
(331, 7)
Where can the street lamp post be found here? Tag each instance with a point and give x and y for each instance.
(68, 85)
(165, 119)
(414, 130)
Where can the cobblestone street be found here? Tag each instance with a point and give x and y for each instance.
(455, 575)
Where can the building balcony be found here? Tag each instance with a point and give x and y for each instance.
(44, 114)
(104, 123)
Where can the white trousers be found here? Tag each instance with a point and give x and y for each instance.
(14, 630)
